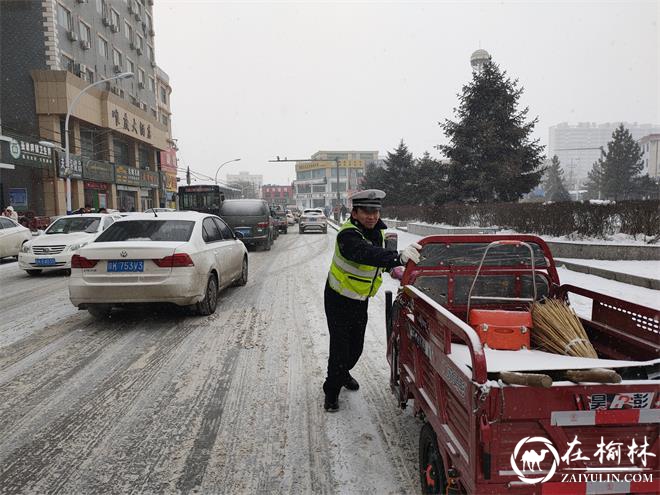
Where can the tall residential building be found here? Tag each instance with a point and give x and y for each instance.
(119, 131)
(650, 145)
(317, 183)
(578, 145)
(250, 184)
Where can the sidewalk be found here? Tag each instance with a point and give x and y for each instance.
(639, 273)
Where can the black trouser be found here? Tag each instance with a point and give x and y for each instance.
(347, 321)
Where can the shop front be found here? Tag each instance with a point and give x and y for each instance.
(149, 191)
(97, 184)
(168, 178)
(128, 187)
(25, 168)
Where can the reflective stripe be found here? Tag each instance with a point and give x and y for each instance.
(353, 270)
(336, 285)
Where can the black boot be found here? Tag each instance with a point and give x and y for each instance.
(351, 383)
(331, 403)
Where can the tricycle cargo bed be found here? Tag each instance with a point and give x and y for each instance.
(490, 434)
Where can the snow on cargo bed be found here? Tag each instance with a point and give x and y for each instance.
(535, 360)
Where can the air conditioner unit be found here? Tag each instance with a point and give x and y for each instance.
(150, 2)
(137, 17)
(85, 45)
(139, 50)
(73, 36)
(82, 1)
(114, 28)
(144, 106)
(153, 63)
(152, 32)
(133, 45)
(141, 85)
(107, 21)
(117, 69)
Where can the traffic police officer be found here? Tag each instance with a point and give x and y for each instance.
(355, 275)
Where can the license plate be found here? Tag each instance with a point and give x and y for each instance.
(243, 231)
(45, 261)
(312, 220)
(126, 266)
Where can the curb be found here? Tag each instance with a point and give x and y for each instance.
(626, 278)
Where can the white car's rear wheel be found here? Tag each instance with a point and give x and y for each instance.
(243, 279)
(207, 305)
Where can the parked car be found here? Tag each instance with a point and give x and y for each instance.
(12, 237)
(281, 221)
(250, 217)
(313, 219)
(53, 249)
(184, 258)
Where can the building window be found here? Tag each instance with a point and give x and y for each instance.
(67, 63)
(149, 22)
(141, 78)
(89, 75)
(85, 33)
(130, 66)
(150, 50)
(64, 17)
(144, 158)
(114, 17)
(152, 84)
(163, 95)
(154, 113)
(100, 7)
(103, 47)
(164, 119)
(139, 42)
(116, 57)
(128, 31)
(121, 151)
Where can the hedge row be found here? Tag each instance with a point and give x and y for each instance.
(555, 219)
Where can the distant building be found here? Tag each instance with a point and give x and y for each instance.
(578, 145)
(650, 145)
(277, 195)
(250, 183)
(316, 183)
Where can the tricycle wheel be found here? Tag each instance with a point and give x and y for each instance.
(431, 467)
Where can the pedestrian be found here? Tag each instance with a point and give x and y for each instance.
(343, 211)
(359, 259)
(11, 213)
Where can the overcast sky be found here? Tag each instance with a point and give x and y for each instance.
(253, 80)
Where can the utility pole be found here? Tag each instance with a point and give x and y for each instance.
(188, 175)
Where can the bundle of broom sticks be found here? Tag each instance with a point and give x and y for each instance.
(558, 329)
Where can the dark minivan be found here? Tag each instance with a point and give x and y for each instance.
(250, 217)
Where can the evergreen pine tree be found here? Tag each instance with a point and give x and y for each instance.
(491, 151)
(400, 177)
(621, 165)
(431, 181)
(555, 188)
(595, 178)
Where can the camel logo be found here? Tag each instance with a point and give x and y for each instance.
(532, 458)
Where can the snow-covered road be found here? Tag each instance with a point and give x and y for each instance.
(157, 401)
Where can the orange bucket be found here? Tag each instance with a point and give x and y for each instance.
(501, 329)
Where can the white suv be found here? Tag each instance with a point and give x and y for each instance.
(313, 219)
(53, 249)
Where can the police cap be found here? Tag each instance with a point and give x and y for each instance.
(370, 198)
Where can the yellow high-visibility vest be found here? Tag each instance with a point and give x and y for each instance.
(351, 279)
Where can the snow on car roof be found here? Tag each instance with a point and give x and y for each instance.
(165, 215)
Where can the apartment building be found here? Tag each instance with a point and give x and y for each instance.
(122, 152)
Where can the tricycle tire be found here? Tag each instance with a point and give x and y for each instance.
(431, 467)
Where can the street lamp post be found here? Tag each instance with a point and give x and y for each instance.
(70, 109)
(222, 165)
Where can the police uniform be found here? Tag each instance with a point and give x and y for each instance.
(354, 276)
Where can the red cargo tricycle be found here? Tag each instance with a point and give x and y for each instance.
(491, 425)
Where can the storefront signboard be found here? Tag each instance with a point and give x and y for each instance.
(149, 179)
(98, 171)
(75, 166)
(168, 160)
(127, 175)
(170, 182)
(99, 186)
(23, 151)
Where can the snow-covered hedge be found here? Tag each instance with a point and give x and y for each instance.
(556, 219)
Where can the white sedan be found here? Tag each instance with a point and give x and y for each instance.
(12, 236)
(62, 238)
(184, 258)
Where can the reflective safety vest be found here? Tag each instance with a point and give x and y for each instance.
(351, 279)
